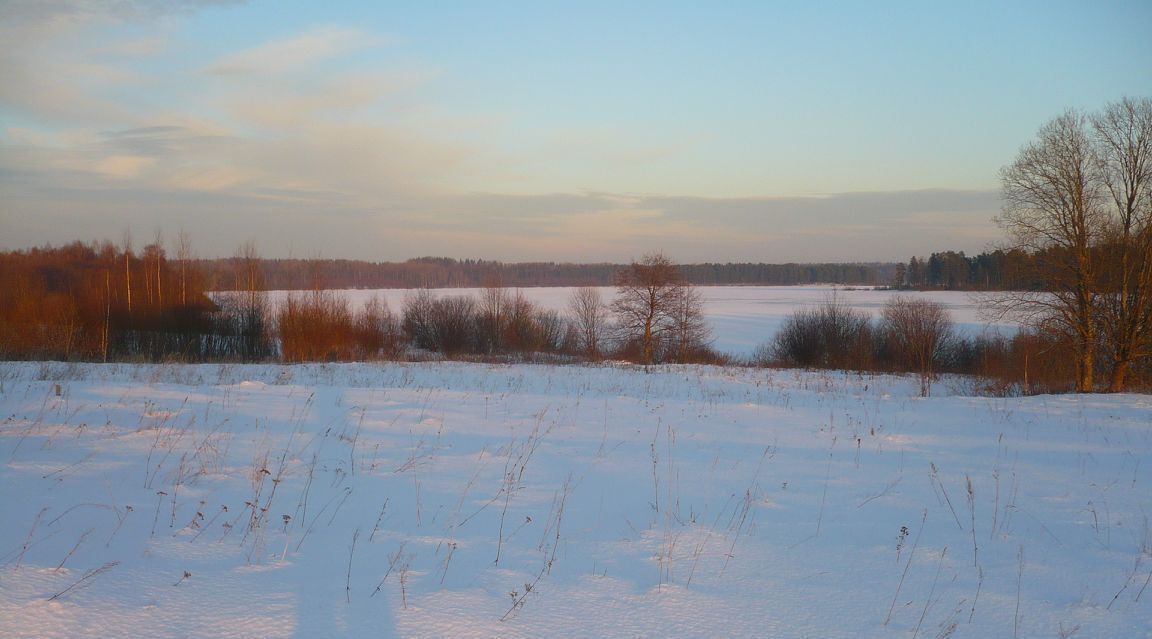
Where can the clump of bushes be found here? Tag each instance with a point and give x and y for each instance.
(322, 326)
(831, 335)
(916, 336)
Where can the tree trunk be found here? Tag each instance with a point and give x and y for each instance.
(128, 280)
(107, 313)
(647, 345)
(1084, 384)
(1119, 376)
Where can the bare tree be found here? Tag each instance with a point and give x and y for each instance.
(1053, 209)
(492, 315)
(1123, 138)
(918, 330)
(158, 262)
(153, 257)
(590, 317)
(690, 332)
(379, 330)
(416, 319)
(128, 268)
(250, 304)
(183, 253)
(549, 327)
(647, 293)
(1079, 200)
(521, 332)
(453, 321)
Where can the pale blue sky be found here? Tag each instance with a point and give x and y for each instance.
(541, 130)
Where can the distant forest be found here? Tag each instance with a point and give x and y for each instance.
(440, 272)
(947, 270)
(955, 271)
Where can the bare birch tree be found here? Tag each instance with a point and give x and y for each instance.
(127, 241)
(251, 308)
(492, 314)
(1123, 138)
(690, 332)
(1079, 199)
(183, 253)
(590, 317)
(1053, 209)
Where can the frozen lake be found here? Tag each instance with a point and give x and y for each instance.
(742, 317)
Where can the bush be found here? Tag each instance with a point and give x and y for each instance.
(446, 325)
(320, 326)
(831, 335)
(915, 333)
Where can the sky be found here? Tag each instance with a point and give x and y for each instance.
(521, 131)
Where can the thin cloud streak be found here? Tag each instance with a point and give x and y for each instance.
(293, 55)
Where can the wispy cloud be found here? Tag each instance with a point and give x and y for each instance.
(294, 105)
(295, 54)
(45, 77)
(61, 59)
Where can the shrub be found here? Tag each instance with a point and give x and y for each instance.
(320, 326)
(916, 333)
(831, 335)
(446, 325)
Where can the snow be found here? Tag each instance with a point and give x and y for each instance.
(741, 317)
(676, 501)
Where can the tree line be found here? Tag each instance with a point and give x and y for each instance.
(104, 302)
(996, 270)
(109, 302)
(944, 270)
(438, 272)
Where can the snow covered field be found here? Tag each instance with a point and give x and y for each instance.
(473, 500)
(742, 317)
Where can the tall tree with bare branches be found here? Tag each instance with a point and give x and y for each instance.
(250, 304)
(1053, 207)
(690, 332)
(493, 314)
(1123, 147)
(590, 316)
(648, 296)
(183, 253)
(127, 241)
